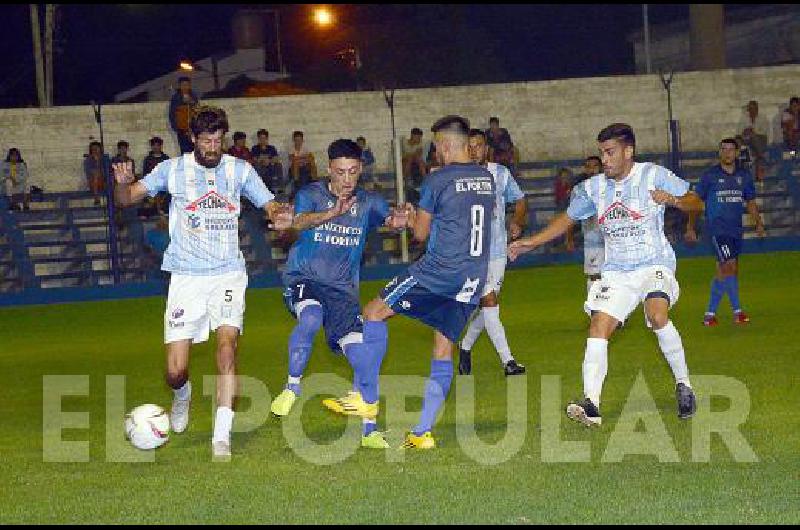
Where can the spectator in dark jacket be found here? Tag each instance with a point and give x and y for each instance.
(181, 106)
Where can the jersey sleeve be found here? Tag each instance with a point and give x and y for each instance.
(512, 193)
(748, 187)
(701, 188)
(254, 188)
(580, 205)
(379, 211)
(667, 181)
(156, 180)
(428, 195)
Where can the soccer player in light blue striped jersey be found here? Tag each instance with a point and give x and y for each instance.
(209, 279)
(629, 199)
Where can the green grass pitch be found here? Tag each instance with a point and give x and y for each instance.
(270, 481)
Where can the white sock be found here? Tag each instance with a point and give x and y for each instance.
(222, 425)
(183, 393)
(595, 368)
(671, 346)
(496, 331)
(294, 380)
(473, 332)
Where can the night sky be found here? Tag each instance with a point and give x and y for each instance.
(105, 49)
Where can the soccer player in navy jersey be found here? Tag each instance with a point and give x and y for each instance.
(727, 191)
(334, 217)
(443, 287)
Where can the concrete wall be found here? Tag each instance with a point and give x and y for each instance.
(547, 119)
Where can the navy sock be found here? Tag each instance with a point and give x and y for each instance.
(436, 390)
(717, 292)
(301, 341)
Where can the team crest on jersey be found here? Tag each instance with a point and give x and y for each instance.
(619, 212)
(211, 202)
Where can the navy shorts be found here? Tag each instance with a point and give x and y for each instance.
(726, 247)
(406, 297)
(341, 311)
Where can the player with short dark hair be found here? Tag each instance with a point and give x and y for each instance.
(629, 199)
(727, 191)
(488, 317)
(443, 287)
(208, 276)
(334, 218)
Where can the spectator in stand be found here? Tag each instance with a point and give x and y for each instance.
(14, 177)
(267, 163)
(96, 165)
(160, 202)
(122, 156)
(412, 149)
(239, 149)
(302, 167)
(754, 130)
(155, 156)
(501, 147)
(562, 188)
(181, 106)
(367, 163)
(790, 122)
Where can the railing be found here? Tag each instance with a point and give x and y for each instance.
(62, 240)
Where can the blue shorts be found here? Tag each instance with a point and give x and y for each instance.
(726, 247)
(406, 297)
(341, 310)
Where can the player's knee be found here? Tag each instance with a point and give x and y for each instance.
(377, 310)
(490, 300)
(176, 378)
(602, 326)
(310, 319)
(658, 320)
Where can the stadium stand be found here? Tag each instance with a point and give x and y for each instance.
(63, 240)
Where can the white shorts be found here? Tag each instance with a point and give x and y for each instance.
(197, 305)
(618, 293)
(593, 259)
(495, 275)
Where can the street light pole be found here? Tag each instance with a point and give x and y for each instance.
(398, 171)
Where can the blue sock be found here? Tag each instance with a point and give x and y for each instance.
(357, 355)
(436, 390)
(369, 427)
(717, 292)
(732, 288)
(301, 341)
(372, 352)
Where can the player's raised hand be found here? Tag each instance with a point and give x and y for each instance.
(519, 247)
(123, 172)
(343, 204)
(283, 216)
(662, 197)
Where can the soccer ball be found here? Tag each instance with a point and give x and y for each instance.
(147, 426)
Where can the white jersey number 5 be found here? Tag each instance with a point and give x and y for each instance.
(476, 239)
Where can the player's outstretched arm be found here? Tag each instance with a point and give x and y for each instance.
(281, 214)
(557, 227)
(691, 218)
(308, 220)
(689, 202)
(419, 221)
(127, 192)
